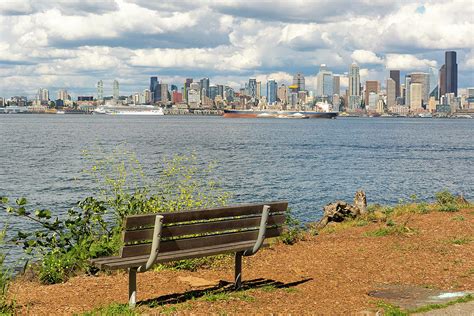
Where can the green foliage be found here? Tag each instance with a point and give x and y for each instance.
(93, 227)
(293, 231)
(112, 310)
(392, 228)
(431, 307)
(446, 201)
(460, 240)
(5, 275)
(391, 310)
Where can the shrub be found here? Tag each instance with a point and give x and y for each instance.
(293, 231)
(5, 306)
(446, 201)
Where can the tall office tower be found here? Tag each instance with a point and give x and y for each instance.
(43, 95)
(395, 76)
(451, 72)
(442, 81)
(116, 90)
(370, 86)
(416, 95)
(391, 92)
(271, 91)
(354, 87)
(229, 94)
(299, 82)
(213, 92)
(187, 83)
(259, 90)
(153, 86)
(407, 90)
(336, 85)
(174, 87)
(62, 95)
(424, 79)
(164, 93)
(220, 90)
(100, 90)
(204, 87)
(324, 82)
(433, 74)
(194, 97)
(252, 88)
(282, 94)
(147, 96)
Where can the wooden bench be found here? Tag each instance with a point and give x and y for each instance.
(164, 237)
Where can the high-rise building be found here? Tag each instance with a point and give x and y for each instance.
(371, 86)
(424, 79)
(271, 91)
(62, 95)
(442, 81)
(116, 89)
(204, 87)
(407, 90)
(395, 76)
(324, 82)
(194, 96)
(43, 95)
(336, 85)
(220, 90)
(187, 83)
(147, 96)
(229, 93)
(416, 96)
(299, 81)
(213, 91)
(354, 87)
(434, 88)
(100, 90)
(164, 93)
(282, 94)
(451, 72)
(153, 86)
(391, 92)
(259, 90)
(252, 87)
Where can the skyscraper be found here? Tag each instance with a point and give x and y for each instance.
(259, 90)
(324, 82)
(252, 87)
(116, 90)
(391, 92)
(282, 94)
(336, 85)
(164, 93)
(442, 81)
(62, 94)
(204, 87)
(370, 86)
(299, 81)
(451, 72)
(271, 91)
(433, 73)
(153, 83)
(416, 93)
(354, 87)
(407, 89)
(424, 79)
(395, 76)
(187, 83)
(100, 90)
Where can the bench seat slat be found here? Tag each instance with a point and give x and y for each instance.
(123, 263)
(198, 242)
(204, 227)
(134, 221)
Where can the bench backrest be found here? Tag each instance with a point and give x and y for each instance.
(201, 228)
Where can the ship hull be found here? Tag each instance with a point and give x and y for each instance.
(278, 114)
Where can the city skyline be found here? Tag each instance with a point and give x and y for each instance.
(72, 46)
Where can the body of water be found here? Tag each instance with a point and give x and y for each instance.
(307, 162)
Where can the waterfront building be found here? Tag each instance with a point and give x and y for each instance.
(299, 81)
(164, 93)
(204, 82)
(293, 99)
(100, 90)
(432, 104)
(147, 96)
(391, 92)
(371, 86)
(194, 96)
(324, 82)
(282, 94)
(372, 99)
(451, 72)
(43, 95)
(302, 96)
(116, 90)
(380, 108)
(176, 97)
(259, 90)
(424, 79)
(395, 76)
(354, 87)
(252, 88)
(220, 90)
(136, 98)
(336, 85)
(416, 96)
(271, 91)
(2, 102)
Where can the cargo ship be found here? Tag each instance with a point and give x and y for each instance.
(279, 114)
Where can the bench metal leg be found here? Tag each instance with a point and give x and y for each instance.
(238, 270)
(132, 287)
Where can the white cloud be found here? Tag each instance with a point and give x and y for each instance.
(408, 62)
(366, 57)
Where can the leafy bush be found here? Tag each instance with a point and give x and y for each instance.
(293, 231)
(93, 227)
(446, 201)
(5, 306)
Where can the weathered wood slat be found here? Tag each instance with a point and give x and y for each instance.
(198, 242)
(135, 221)
(177, 255)
(203, 227)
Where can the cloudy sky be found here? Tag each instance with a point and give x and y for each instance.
(73, 43)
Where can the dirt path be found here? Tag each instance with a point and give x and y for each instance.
(329, 274)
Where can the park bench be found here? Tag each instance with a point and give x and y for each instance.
(163, 237)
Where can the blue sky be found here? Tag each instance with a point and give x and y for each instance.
(74, 43)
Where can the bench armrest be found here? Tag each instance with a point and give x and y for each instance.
(261, 232)
(155, 245)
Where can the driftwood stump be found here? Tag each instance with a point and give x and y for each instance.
(339, 211)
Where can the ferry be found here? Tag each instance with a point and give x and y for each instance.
(130, 110)
(278, 114)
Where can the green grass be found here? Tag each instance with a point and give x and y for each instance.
(269, 288)
(391, 228)
(459, 240)
(392, 310)
(227, 296)
(459, 218)
(111, 310)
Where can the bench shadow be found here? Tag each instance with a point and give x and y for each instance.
(224, 287)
